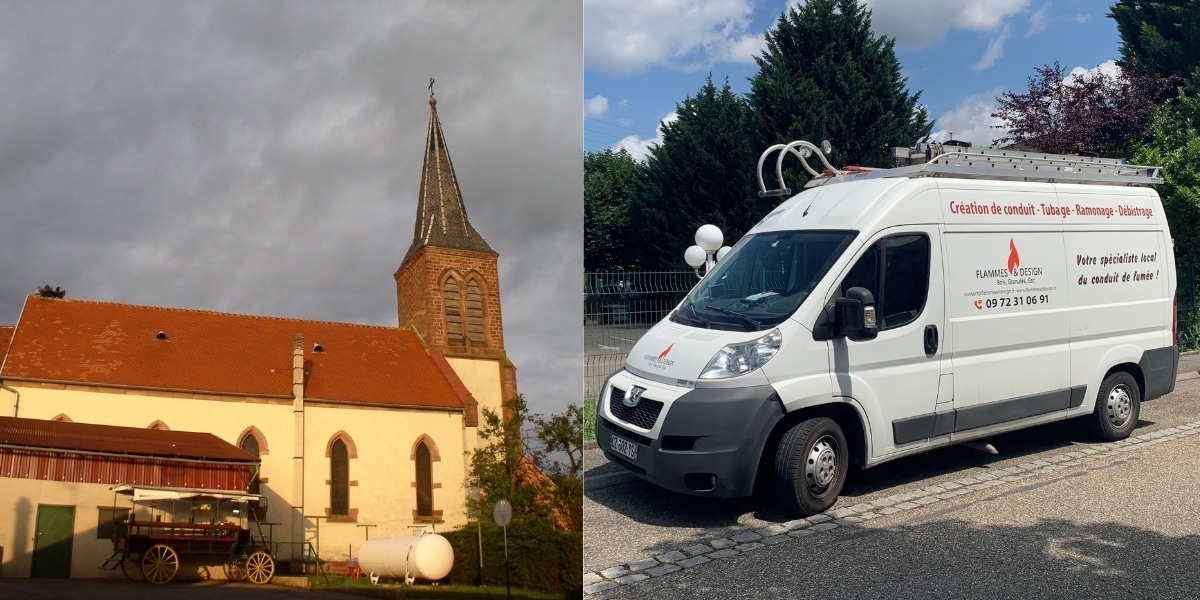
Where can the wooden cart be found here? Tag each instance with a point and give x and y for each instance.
(215, 525)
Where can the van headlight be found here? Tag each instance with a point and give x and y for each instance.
(739, 359)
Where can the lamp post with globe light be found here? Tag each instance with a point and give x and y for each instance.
(708, 249)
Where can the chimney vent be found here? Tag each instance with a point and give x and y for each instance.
(46, 292)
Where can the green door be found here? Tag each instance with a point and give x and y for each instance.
(52, 542)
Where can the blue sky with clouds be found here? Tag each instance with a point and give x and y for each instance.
(642, 57)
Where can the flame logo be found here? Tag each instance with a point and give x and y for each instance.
(664, 352)
(1014, 260)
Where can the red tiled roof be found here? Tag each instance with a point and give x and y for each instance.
(84, 437)
(106, 344)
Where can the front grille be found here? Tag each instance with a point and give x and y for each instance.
(632, 436)
(643, 415)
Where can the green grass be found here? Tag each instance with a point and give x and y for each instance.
(364, 588)
(589, 419)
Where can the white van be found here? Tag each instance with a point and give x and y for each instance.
(880, 314)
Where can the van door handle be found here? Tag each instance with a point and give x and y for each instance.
(931, 340)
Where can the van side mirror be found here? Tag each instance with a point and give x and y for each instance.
(855, 316)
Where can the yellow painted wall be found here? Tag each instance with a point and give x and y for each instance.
(482, 377)
(383, 442)
(383, 439)
(19, 500)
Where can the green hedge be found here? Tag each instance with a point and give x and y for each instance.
(540, 557)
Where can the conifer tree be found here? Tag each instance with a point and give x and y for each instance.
(825, 76)
(609, 183)
(703, 172)
(1158, 37)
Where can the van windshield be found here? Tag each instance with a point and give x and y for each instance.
(763, 279)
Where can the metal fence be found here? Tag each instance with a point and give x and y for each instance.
(1187, 323)
(618, 307)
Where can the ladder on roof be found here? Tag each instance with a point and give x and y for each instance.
(966, 163)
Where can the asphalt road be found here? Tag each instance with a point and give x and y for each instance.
(1053, 515)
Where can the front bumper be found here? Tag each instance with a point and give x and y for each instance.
(707, 442)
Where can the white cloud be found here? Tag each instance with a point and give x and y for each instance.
(1038, 21)
(1108, 67)
(995, 50)
(595, 106)
(972, 121)
(640, 148)
(623, 37)
(744, 49)
(1041, 20)
(919, 23)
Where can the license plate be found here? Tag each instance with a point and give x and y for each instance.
(625, 448)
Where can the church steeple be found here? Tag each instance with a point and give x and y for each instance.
(441, 217)
(448, 285)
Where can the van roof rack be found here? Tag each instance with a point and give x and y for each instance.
(962, 162)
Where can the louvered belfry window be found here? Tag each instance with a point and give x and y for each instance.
(250, 445)
(454, 321)
(475, 315)
(424, 482)
(339, 480)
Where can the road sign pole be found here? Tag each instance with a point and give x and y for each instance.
(502, 513)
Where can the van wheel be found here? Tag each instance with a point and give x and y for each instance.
(1117, 407)
(810, 466)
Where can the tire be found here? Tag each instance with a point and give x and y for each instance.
(1118, 405)
(810, 466)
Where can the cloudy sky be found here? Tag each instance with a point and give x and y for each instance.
(264, 157)
(645, 56)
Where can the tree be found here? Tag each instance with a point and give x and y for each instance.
(516, 463)
(825, 76)
(510, 464)
(1175, 146)
(609, 180)
(702, 172)
(562, 434)
(1092, 112)
(1158, 38)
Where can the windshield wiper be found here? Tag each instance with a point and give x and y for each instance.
(698, 319)
(757, 326)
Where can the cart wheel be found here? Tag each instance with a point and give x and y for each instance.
(160, 563)
(131, 565)
(260, 567)
(235, 567)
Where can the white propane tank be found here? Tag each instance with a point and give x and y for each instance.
(429, 557)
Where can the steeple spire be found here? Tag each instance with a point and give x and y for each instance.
(441, 217)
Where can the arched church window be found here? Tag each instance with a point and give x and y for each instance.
(339, 479)
(250, 446)
(475, 330)
(454, 320)
(424, 481)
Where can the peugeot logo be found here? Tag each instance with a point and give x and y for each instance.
(633, 395)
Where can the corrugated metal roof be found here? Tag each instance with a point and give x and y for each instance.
(85, 437)
(108, 344)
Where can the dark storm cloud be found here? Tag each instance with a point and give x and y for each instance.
(264, 158)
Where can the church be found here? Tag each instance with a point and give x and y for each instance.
(358, 431)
